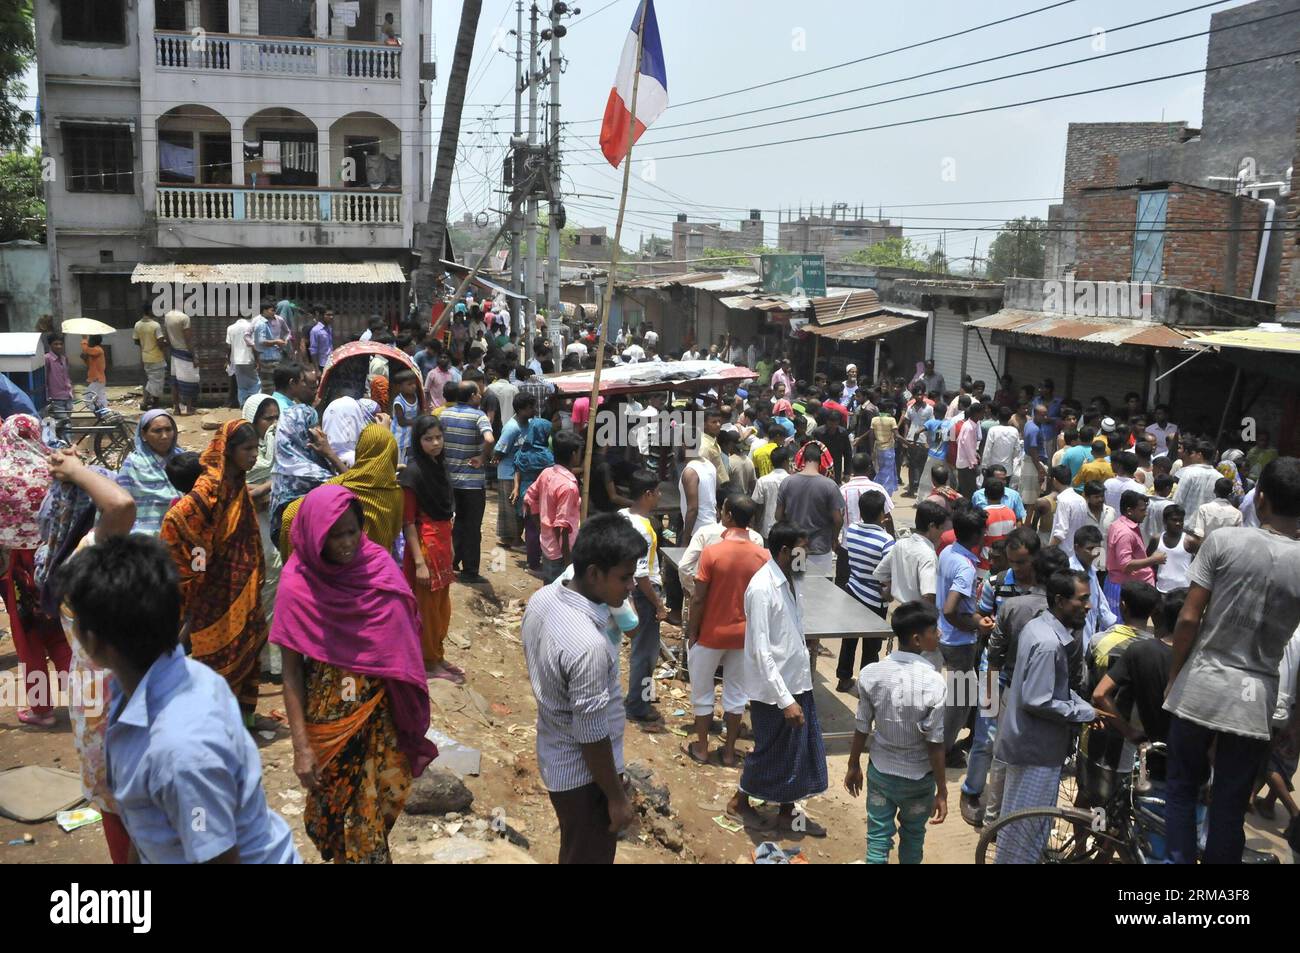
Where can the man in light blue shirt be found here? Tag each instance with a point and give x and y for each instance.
(1087, 547)
(1010, 496)
(183, 769)
(955, 585)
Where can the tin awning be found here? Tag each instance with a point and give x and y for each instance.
(860, 329)
(243, 273)
(1274, 338)
(1115, 331)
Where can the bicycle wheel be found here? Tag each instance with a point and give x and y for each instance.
(1049, 835)
(111, 449)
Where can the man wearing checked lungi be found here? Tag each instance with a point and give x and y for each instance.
(788, 762)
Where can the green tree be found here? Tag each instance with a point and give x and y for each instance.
(892, 253)
(736, 259)
(17, 48)
(22, 207)
(1020, 250)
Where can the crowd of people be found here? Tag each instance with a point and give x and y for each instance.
(1103, 578)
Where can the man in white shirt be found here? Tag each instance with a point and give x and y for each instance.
(1216, 514)
(1162, 429)
(1071, 513)
(1124, 463)
(768, 487)
(788, 762)
(1002, 445)
(702, 539)
(651, 338)
(634, 353)
(859, 484)
(907, 573)
(239, 353)
(578, 348)
(1196, 478)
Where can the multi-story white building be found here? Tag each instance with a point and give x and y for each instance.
(284, 133)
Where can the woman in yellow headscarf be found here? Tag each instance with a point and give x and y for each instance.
(373, 478)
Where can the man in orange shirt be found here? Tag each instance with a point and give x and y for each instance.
(96, 380)
(715, 634)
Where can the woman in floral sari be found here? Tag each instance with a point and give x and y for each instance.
(38, 638)
(144, 472)
(373, 478)
(354, 687)
(214, 541)
(427, 511)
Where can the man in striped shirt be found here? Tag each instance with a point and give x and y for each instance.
(573, 667)
(1001, 517)
(867, 543)
(467, 442)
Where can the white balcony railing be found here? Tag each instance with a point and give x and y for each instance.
(293, 206)
(280, 56)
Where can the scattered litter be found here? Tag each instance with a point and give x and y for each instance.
(497, 674)
(458, 640)
(676, 693)
(681, 732)
(266, 735)
(497, 708)
(27, 840)
(71, 820)
(291, 810)
(291, 794)
(677, 713)
(769, 853)
(453, 828)
(666, 672)
(727, 824)
(520, 729)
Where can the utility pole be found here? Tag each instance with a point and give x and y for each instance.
(519, 317)
(530, 225)
(553, 314)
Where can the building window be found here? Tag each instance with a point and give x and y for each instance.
(109, 298)
(1149, 238)
(286, 18)
(99, 158)
(596, 240)
(100, 21)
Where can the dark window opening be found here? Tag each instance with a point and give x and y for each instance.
(109, 298)
(99, 158)
(170, 15)
(286, 18)
(93, 21)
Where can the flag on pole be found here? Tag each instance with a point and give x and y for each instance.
(619, 130)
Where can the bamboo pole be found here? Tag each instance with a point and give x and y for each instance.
(603, 334)
(465, 282)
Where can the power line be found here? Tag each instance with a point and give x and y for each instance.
(947, 69)
(966, 112)
(959, 86)
(875, 56)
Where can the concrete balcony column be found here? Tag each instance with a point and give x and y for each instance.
(232, 16)
(324, 168)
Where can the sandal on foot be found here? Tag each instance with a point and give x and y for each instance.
(688, 749)
(33, 720)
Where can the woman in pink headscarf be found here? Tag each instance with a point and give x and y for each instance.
(354, 684)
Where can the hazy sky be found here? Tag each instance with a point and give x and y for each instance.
(1014, 156)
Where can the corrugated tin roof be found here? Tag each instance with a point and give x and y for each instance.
(845, 306)
(308, 273)
(1277, 339)
(860, 329)
(1115, 331)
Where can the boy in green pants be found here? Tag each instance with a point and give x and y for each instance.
(904, 697)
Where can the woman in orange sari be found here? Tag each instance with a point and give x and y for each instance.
(354, 685)
(426, 518)
(213, 538)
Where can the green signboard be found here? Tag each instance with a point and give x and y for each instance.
(793, 274)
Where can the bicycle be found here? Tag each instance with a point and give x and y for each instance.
(111, 435)
(1128, 829)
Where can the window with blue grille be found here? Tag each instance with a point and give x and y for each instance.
(1149, 237)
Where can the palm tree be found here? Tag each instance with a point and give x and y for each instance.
(431, 244)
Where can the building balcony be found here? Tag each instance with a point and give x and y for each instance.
(219, 53)
(223, 216)
(217, 204)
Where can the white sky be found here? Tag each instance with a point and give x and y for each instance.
(721, 45)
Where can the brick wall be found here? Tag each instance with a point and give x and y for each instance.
(1092, 149)
(1200, 251)
(1288, 278)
